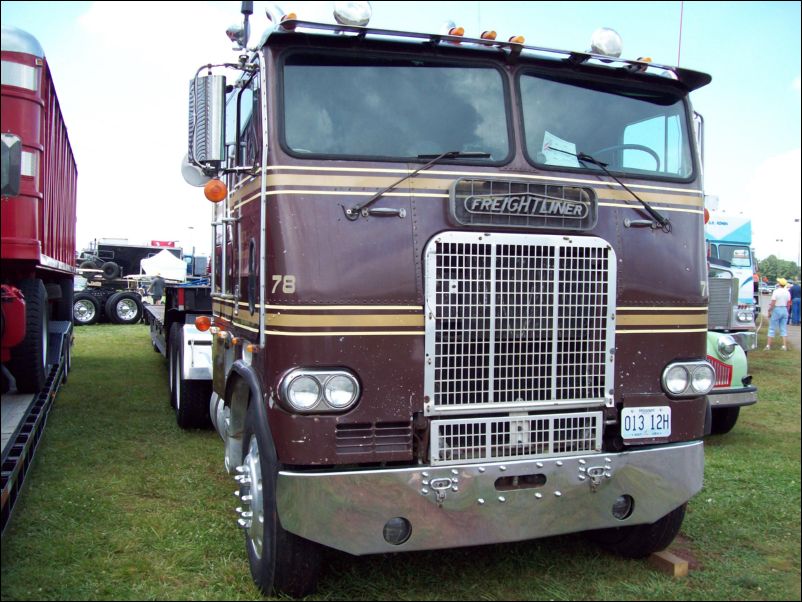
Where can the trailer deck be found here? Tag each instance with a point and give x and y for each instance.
(24, 417)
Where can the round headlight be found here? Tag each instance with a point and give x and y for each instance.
(726, 346)
(704, 377)
(340, 391)
(745, 316)
(303, 392)
(676, 380)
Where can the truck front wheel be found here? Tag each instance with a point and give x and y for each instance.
(280, 561)
(638, 541)
(724, 420)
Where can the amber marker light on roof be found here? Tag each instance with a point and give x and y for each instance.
(456, 31)
(203, 323)
(488, 35)
(215, 190)
(289, 17)
(517, 40)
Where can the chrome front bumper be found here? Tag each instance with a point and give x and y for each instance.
(455, 506)
(731, 398)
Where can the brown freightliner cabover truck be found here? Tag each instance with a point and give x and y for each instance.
(459, 293)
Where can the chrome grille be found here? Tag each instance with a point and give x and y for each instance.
(723, 295)
(510, 438)
(518, 321)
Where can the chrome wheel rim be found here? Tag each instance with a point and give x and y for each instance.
(126, 309)
(83, 311)
(252, 517)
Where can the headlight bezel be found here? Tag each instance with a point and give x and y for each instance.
(695, 374)
(726, 346)
(325, 379)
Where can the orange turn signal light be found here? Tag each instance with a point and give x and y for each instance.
(215, 190)
(707, 215)
(203, 323)
(488, 35)
(456, 31)
(517, 40)
(289, 17)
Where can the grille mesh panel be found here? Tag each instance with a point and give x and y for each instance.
(518, 320)
(509, 438)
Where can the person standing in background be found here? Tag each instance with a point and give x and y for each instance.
(157, 289)
(778, 313)
(796, 293)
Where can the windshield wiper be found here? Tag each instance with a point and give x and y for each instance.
(354, 212)
(664, 222)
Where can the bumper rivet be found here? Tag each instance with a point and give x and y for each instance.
(559, 462)
(538, 496)
(424, 491)
(539, 464)
(480, 501)
(502, 468)
(481, 469)
(582, 461)
(502, 499)
(557, 494)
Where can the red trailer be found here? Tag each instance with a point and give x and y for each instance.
(38, 216)
(38, 254)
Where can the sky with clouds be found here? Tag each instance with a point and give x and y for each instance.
(122, 69)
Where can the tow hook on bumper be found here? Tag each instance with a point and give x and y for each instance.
(596, 474)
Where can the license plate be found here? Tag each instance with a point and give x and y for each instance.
(641, 423)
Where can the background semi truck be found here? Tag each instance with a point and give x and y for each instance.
(458, 292)
(118, 274)
(37, 221)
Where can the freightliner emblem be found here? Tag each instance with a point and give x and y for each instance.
(525, 204)
(509, 203)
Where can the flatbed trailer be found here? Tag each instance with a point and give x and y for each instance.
(188, 350)
(24, 417)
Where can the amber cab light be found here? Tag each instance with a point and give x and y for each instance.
(517, 40)
(215, 190)
(456, 31)
(203, 323)
(489, 35)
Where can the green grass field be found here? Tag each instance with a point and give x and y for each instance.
(121, 504)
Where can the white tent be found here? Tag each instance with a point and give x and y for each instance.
(165, 263)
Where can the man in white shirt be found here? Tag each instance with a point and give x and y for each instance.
(778, 313)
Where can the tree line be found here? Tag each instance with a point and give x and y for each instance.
(772, 268)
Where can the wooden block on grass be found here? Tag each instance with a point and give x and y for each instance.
(669, 563)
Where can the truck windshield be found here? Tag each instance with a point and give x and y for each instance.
(637, 132)
(735, 255)
(380, 108)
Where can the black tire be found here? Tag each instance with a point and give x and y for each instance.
(639, 541)
(279, 560)
(172, 345)
(191, 397)
(28, 361)
(88, 265)
(63, 308)
(66, 355)
(110, 270)
(724, 420)
(124, 308)
(85, 310)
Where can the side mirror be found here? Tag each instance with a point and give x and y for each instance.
(207, 129)
(11, 164)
